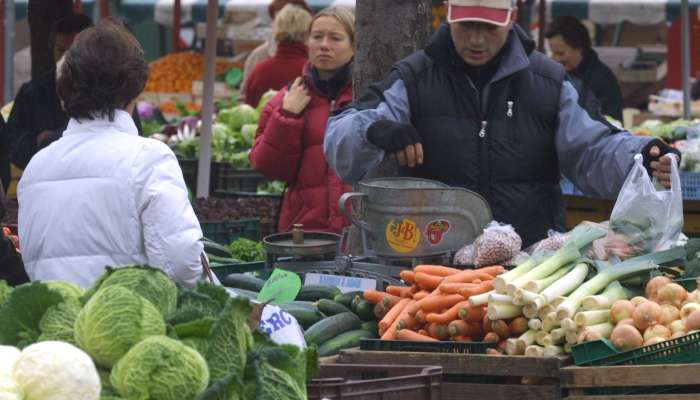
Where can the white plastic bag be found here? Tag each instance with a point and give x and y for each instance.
(644, 219)
(498, 243)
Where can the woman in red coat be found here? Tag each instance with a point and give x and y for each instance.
(289, 142)
(291, 28)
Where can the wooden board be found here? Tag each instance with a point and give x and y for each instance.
(475, 376)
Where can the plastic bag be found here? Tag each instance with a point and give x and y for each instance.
(553, 242)
(644, 219)
(498, 243)
(464, 256)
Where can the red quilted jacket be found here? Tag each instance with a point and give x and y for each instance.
(289, 147)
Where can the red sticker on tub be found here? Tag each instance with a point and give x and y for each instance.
(436, 230)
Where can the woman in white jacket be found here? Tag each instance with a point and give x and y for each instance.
(101, 195)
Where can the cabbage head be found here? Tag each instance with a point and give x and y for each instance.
(5, 291)
(58, 322)
(238, 116)
(265, 99)
(160, 368)
(248, 132)
(151, 283)
(113, 321)
(67, 289)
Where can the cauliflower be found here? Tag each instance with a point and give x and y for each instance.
(160, 368)
(56, 371)
(8, 387)
(113, 321)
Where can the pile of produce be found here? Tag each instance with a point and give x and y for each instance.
(175, 72)
(667, 311)
(216, 209)
(551, 301)
(241, 250)
(135, 334)
(436, 306)
(331, 320)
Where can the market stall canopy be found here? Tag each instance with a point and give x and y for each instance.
(640, 12)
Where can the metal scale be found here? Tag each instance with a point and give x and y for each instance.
(404, 222)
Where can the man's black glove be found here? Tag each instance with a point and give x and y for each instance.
(392, 136)
(664, 149)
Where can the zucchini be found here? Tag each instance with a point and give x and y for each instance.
(222, 260)
(305, 314)
(317, 292)
(370, 326)
(331, 327)
(365, 310)
(347, 298)
(344, 341)
(215, 249)
(243, 281)
(246, 293)
(330, 307)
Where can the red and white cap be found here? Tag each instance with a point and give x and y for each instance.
(495, 12)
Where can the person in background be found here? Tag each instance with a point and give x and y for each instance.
(5, 175)
(266, 50)
(289, 142)
(37, 118)
(570, 45)
(291, 29)
(102, 195)
(480, 108)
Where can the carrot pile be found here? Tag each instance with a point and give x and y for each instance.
(435, 307)
(175, 72)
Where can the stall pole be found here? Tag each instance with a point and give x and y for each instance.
(177, 19)
(8, 50)
(543, 25)
(207, 100)
(685, 59)
(104, 8)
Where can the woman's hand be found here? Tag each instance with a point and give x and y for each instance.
(297, 98)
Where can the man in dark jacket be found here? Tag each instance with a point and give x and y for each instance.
(480, 108)
(37, 118)
(570, 44)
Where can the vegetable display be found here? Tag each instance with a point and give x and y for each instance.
(138, 335)
(331, 320)
(175, 72)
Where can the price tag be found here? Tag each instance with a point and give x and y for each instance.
(282, 287)
(344, 283)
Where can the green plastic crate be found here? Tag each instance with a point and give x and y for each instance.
(225, 232)
(683, 350)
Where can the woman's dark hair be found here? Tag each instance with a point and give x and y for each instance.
(572, 30)
(103, 71)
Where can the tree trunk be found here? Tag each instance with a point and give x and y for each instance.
(41, 15)
(380, 43)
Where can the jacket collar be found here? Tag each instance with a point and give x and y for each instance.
(590, 58)
(330, 89)
(123, 123)
(291, 50)
(514, 57)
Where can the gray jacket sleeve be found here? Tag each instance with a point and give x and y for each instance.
(594, 157)
(346, 147)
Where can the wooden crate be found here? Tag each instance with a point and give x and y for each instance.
(477, 377)
(580, 208)
(576, 380)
